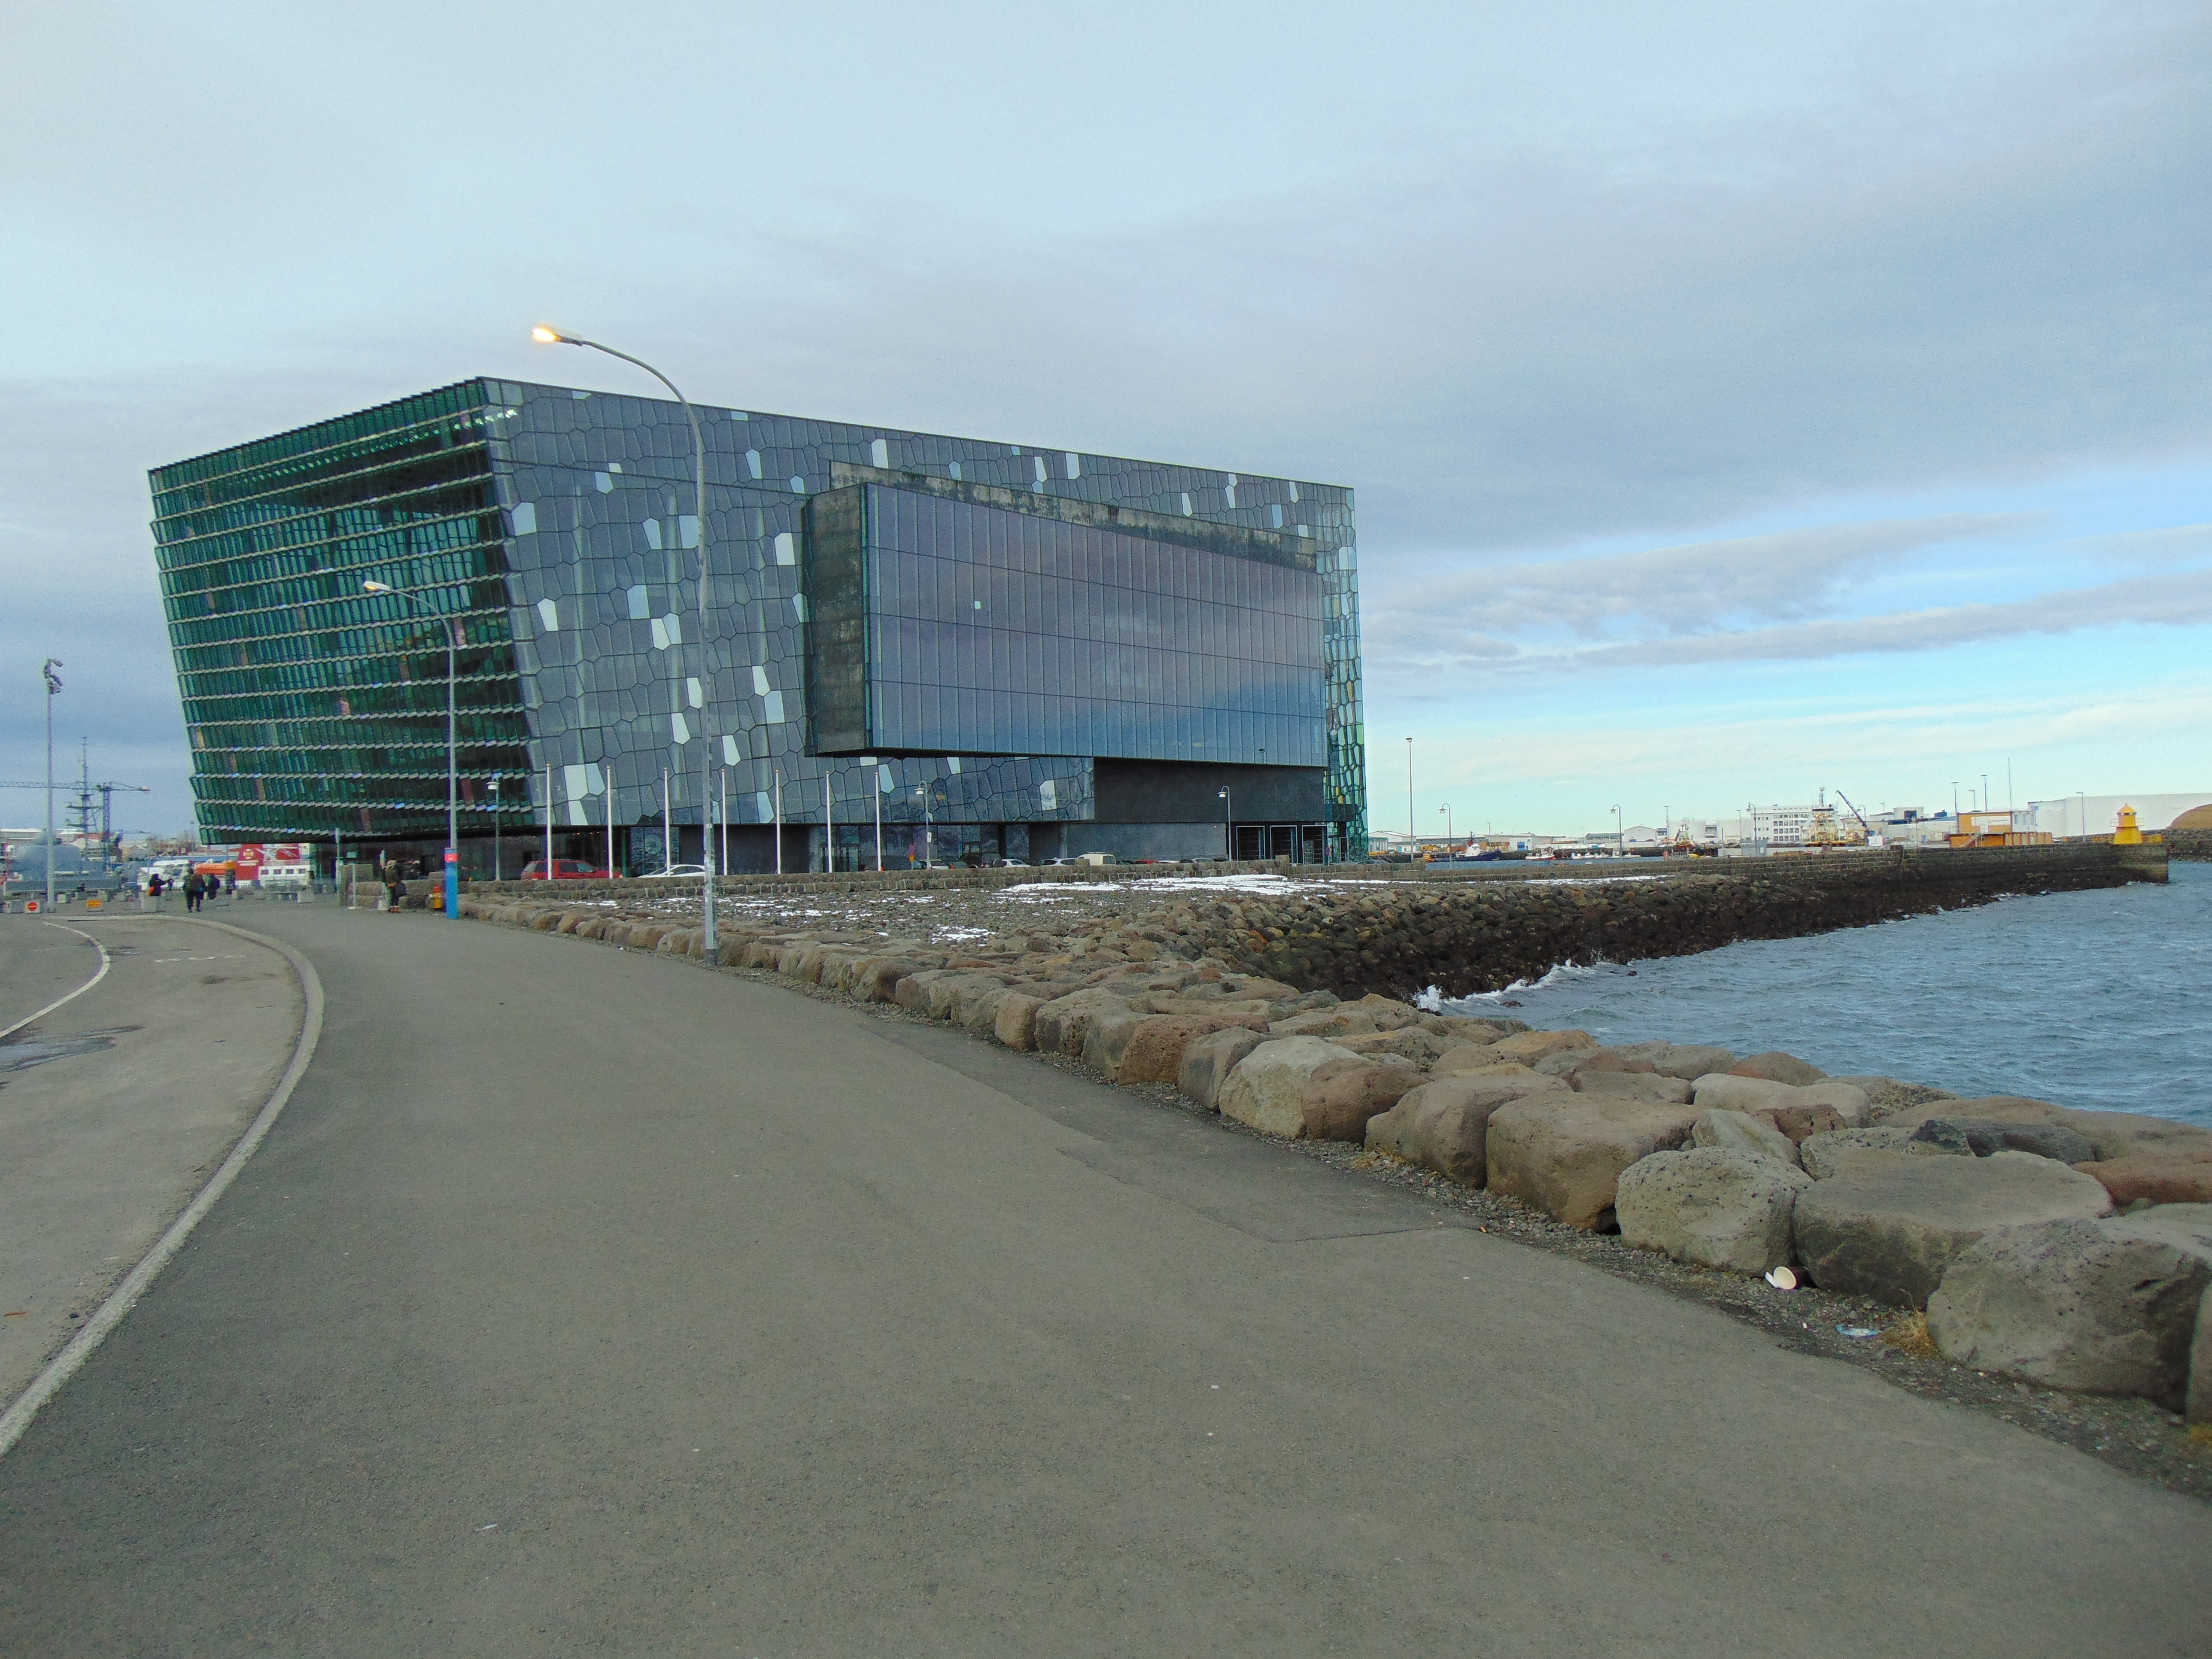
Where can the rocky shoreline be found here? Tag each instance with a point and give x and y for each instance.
(2064, 1254)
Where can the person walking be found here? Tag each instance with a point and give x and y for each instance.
(193, 888)
(153, 889)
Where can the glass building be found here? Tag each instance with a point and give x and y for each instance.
(992, 649)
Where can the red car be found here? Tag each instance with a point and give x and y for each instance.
(564, 869)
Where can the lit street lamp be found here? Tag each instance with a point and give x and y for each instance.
(546, 336)
(453, 767)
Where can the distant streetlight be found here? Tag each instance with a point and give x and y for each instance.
(452, 753)
(546, 336)
(53, 689)
(1413, 828)
(928, 830)
(492, 785)
(1446, 810)
(1619, 840)
(1228, 824)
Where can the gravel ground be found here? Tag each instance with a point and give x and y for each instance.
(2133, 1436)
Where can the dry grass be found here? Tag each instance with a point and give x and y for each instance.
(1909, 1335)
(2201, 1434)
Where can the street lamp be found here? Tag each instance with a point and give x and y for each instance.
(1228, 826)
(53, 689)
(546, 336)
(1619, 844)
(492, 784)
(452, 764)
(1446, 810)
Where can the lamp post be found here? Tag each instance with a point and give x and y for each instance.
(1446, 810)
(53, 689)
(1228, 826)
(452, 752)
(928, 830)
(546, 336)
(1620, 845)
(1413, 829)
(493, 786)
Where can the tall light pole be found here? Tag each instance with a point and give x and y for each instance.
(546, 336)
(492, 785)
(1413, 829)
(1228, 826)
(1446, 810)
(452, 762)
(53, 689)
(928, 830)
(1620, 845)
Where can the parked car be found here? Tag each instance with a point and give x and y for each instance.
(1009, 864)
(564, 869)
(696, 871)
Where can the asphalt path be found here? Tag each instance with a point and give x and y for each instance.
(40, 963)
(583, 1303)
(117, 1107)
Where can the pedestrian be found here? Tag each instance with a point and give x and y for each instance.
(192, 889)
(153, 889)
(395, 889)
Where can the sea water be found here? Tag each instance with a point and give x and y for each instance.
(2099, 1000)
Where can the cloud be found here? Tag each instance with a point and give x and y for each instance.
(1691, 589)
(2180, 600)
(2148, 550)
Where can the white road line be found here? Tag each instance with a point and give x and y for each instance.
(124, 1297)
(105, 964)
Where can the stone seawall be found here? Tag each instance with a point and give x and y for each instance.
(1397, 940)
(2189, 845)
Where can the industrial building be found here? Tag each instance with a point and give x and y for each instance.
(995, 650)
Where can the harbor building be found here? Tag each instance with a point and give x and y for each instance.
(995, 650)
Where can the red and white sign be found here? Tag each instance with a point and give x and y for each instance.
(255, 856)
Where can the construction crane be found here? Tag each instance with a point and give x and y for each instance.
(82, 809)
(1861, 817)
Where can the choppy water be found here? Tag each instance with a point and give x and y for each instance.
(2095, 1000)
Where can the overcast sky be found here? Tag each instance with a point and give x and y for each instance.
(1741, 400)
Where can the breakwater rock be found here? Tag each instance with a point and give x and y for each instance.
(1397, 939)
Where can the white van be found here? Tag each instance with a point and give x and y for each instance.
(286, 879)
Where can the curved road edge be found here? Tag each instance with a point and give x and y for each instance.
(124, 1297)
(106, 962)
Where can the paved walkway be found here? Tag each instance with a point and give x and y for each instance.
(586, 1302)
(115, 1109)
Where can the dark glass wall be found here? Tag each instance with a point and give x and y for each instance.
(980, 629)
(313, 706)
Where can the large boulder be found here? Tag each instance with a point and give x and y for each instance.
(1630, 1085)
(911, 991)
(1564, 1152)
(2105, 1306)
(2138, 1134)
(1064, 1023)
(1422, 1047)
(877, 980)
(1014, 1023)
(1341, 1096)
(1983, 1136)
(1686, 1061)
(2155, 1178)
(1987, 1109)
(1824, 1156)
(1718, 1129)
(1109, 1036)
(979, 1011)
(1778, 1067)
(1889, 1093)
(1388, 1012)
(1887, 1226)
(1266, 1089)
(1154, 1049)
(1530, 1047)
(2200, 1365)
(1471, 1057)
(1444, 1124)
(1759, 1095)
(1348, 1019)
(1208, 1061)
(1710, 1206)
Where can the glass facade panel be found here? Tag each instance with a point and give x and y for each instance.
(314, 707)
